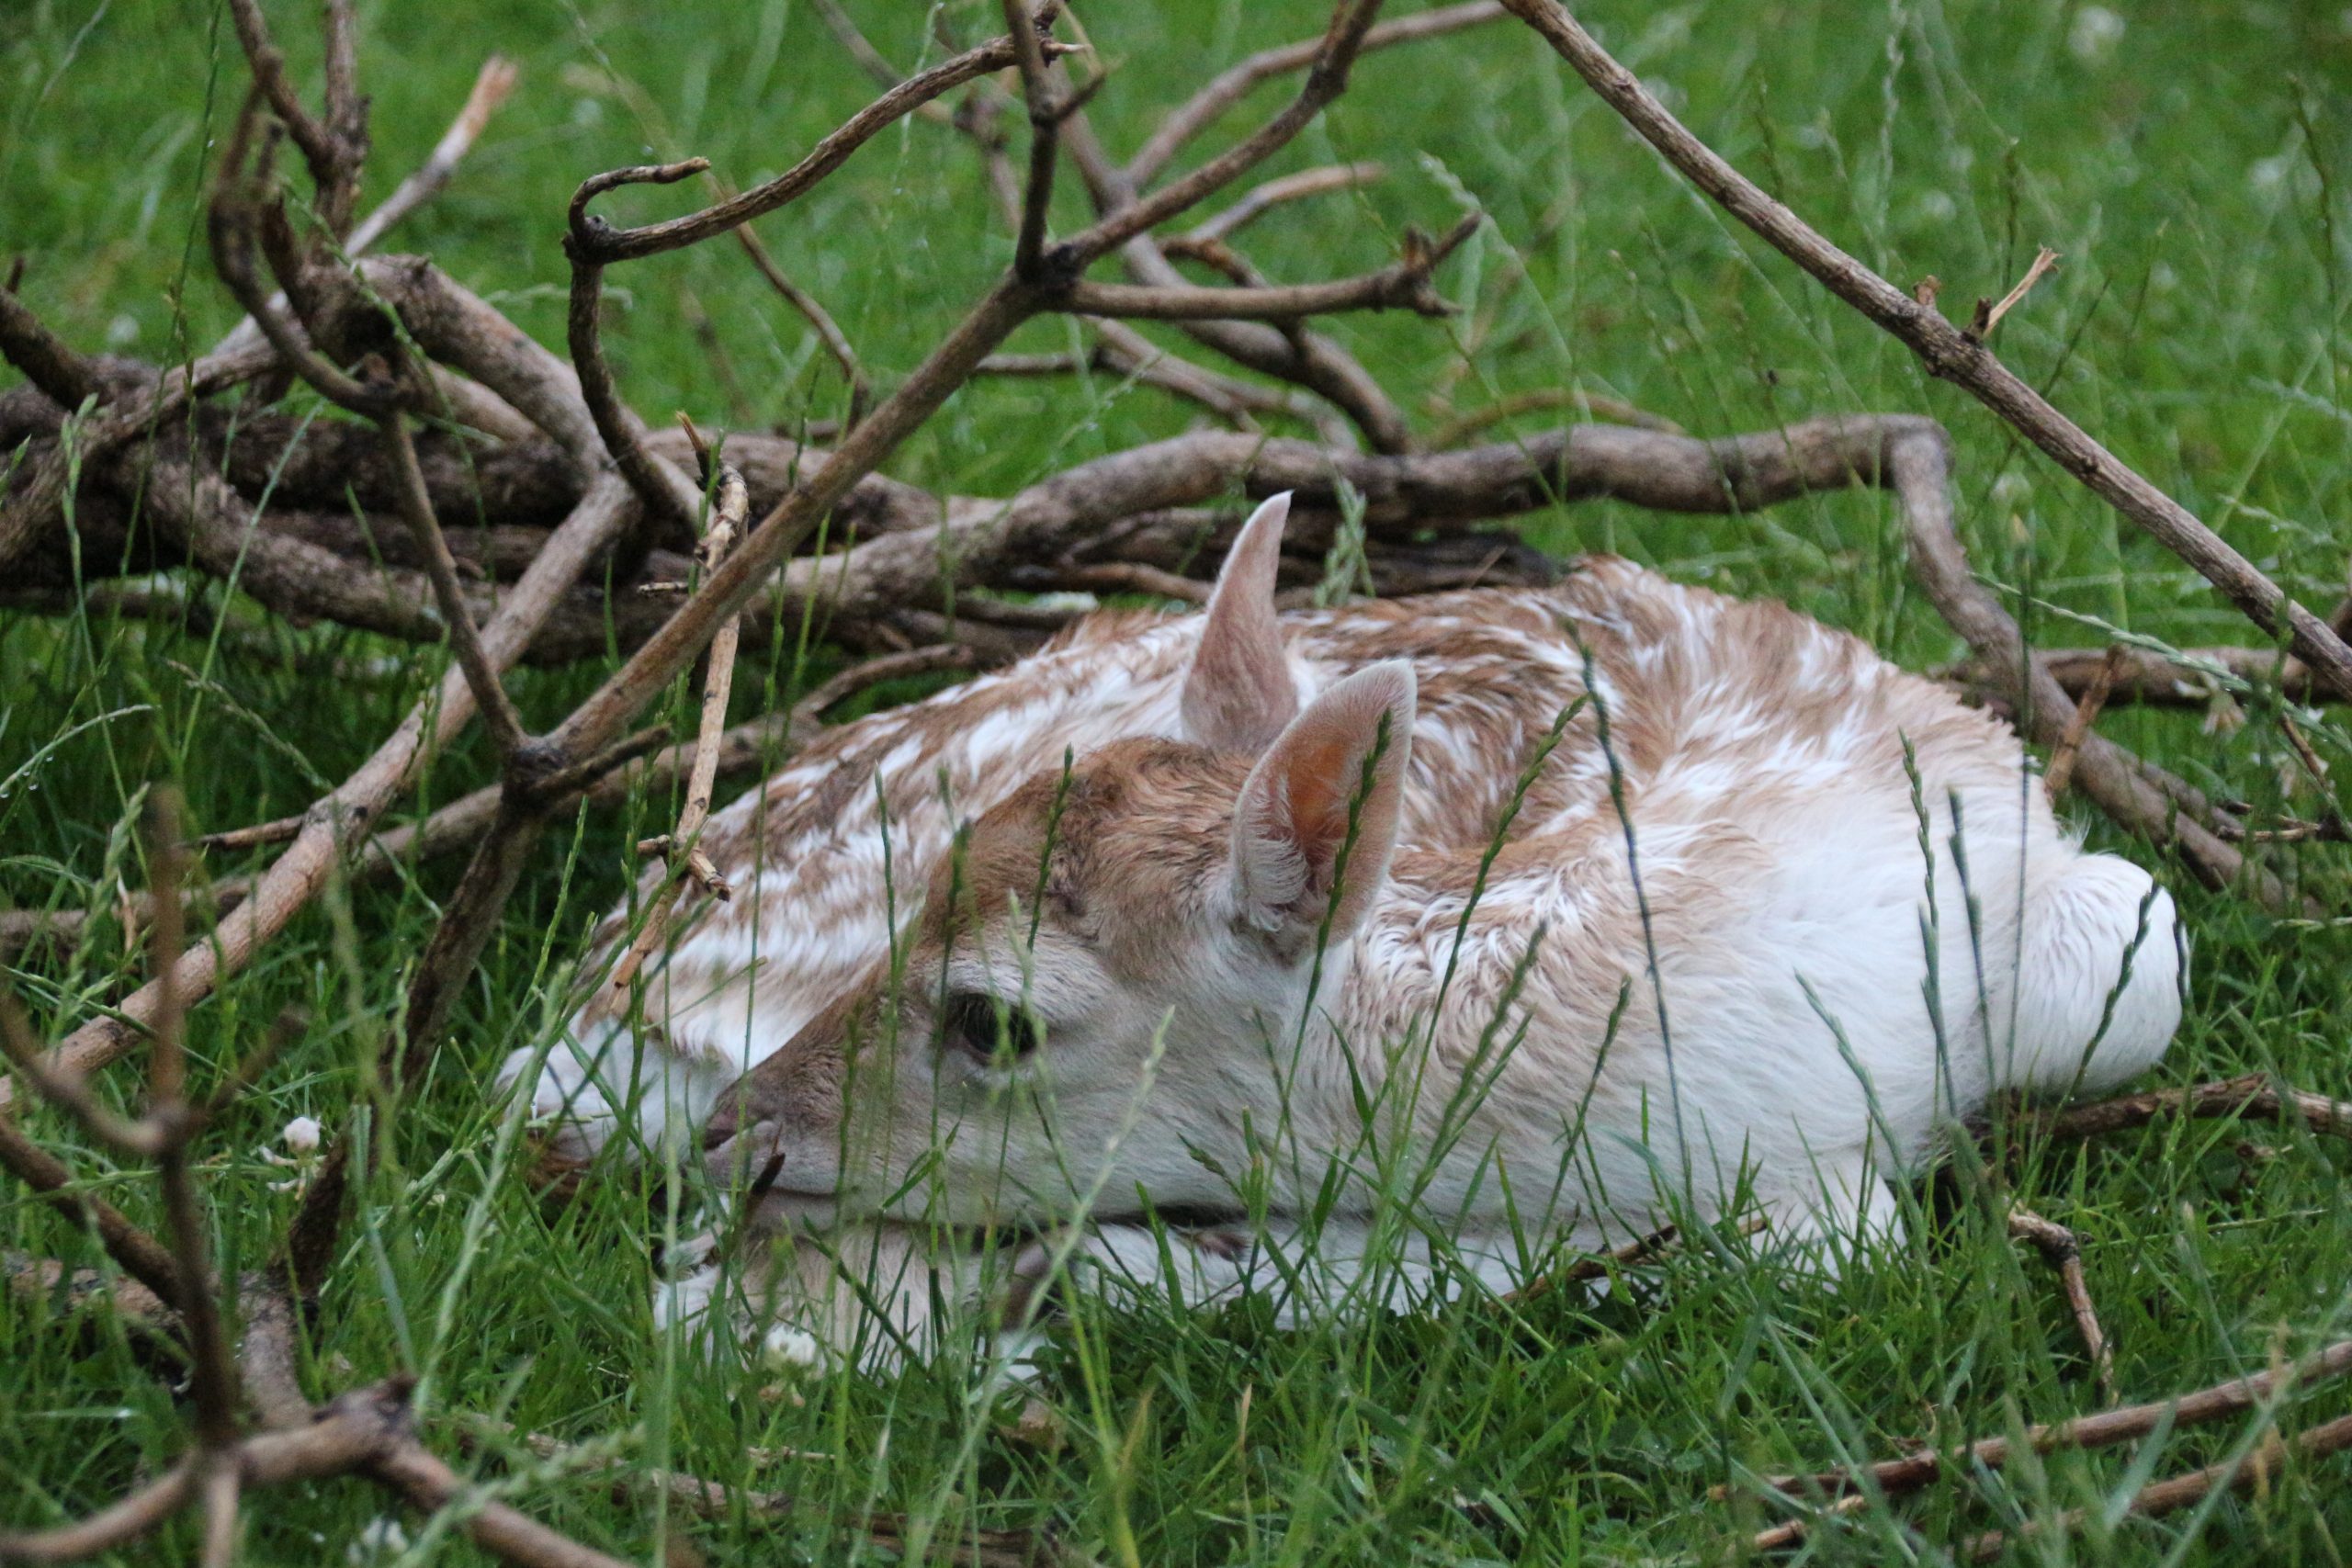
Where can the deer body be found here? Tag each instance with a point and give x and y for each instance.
(1726, 945)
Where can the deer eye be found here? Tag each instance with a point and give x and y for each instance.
(987, 1030)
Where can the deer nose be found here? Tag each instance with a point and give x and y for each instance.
(722, 1126)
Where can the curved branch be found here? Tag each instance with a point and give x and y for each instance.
(664, 490)
(607, 245)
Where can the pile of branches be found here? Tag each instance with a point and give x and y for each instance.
(470, 488)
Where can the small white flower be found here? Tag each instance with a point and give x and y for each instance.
(2094, 34)
(122, 331)
(382, 1538)
(301, 1134)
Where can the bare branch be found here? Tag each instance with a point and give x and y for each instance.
(1402, 285)
(1198, 112)
(46, 359)
(2254, 1094)
(497, 708)
(142, 1257)
(317, 141)
(1326, 78)
(828, 330)
(1586, 405)
(212, 1375)
(1262, 199)
(1046, 112)
(2087, 711)
(236, 210)
(491, 87)
(1295, 355)
(2145, 675)
(2143, 799)
(1947, 352)
(1988, 315)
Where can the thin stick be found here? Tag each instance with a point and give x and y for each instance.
(1988, 315)
(1404, 284)
(2063, 1251)
(142, 1257)
(821, 320)
(1045, 116)
(610, 244)
(2252, 1094)
(492, 85)
(1587, 405)
(1584, 1271)
(731, 507)
(2087, 711)
(1263, 198)
(212, 1376)
(2105, 1428)
(498, 713)
(319, 146)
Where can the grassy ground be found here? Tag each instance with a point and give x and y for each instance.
(2190, 159)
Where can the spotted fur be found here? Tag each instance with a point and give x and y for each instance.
(1773, 915)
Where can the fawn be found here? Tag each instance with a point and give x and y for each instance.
(839, 846)
(1772, 915)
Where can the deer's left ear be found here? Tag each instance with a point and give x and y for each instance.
(1316, 822)
(1239, 693)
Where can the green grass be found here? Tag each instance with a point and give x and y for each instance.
(2194, 175)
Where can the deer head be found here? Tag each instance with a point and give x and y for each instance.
(1110, 970)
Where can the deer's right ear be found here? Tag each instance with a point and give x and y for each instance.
(1320, 809)
(1239, 693)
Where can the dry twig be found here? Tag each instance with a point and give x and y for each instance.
(2086, 710)
(2060, 1250)
(1852, 1491)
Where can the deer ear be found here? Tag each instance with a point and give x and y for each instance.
(1239, 695)
(1291, 826)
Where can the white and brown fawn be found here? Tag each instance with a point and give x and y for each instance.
(835, 852)
(1791, 912)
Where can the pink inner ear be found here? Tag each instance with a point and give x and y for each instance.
(1320, 785)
